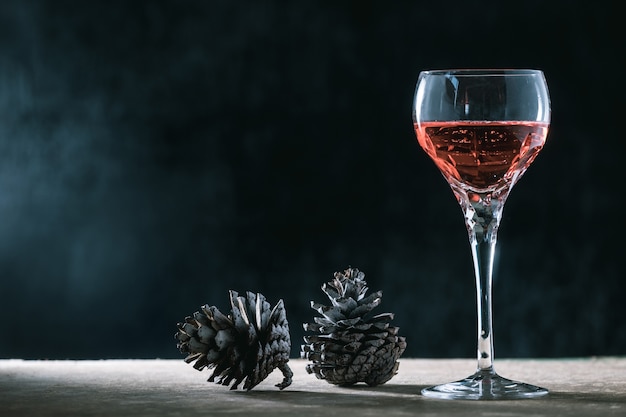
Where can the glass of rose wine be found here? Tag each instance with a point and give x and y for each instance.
(482, 128)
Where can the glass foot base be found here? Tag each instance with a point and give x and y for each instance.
(484, 386)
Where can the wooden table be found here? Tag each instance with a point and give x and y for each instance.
(578, 387)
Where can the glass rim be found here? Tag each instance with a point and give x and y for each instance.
(482, 72)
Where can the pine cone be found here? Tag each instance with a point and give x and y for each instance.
(247, 344)
(352, 345)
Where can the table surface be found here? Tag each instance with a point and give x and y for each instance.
(578, 387)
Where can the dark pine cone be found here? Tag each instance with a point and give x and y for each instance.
(351, 344)
(247, 344)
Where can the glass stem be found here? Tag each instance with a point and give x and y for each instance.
(482, 218)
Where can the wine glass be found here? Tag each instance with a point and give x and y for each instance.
(482, 128)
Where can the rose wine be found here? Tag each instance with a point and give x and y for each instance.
(482, 155)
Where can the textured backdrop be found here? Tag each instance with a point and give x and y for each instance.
(154, 155)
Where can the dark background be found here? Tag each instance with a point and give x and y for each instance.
(154, 155)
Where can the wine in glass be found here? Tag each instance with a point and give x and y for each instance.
(482, 128)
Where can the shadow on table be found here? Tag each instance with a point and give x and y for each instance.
(361, 400)
(393, 399)
(590, 397)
